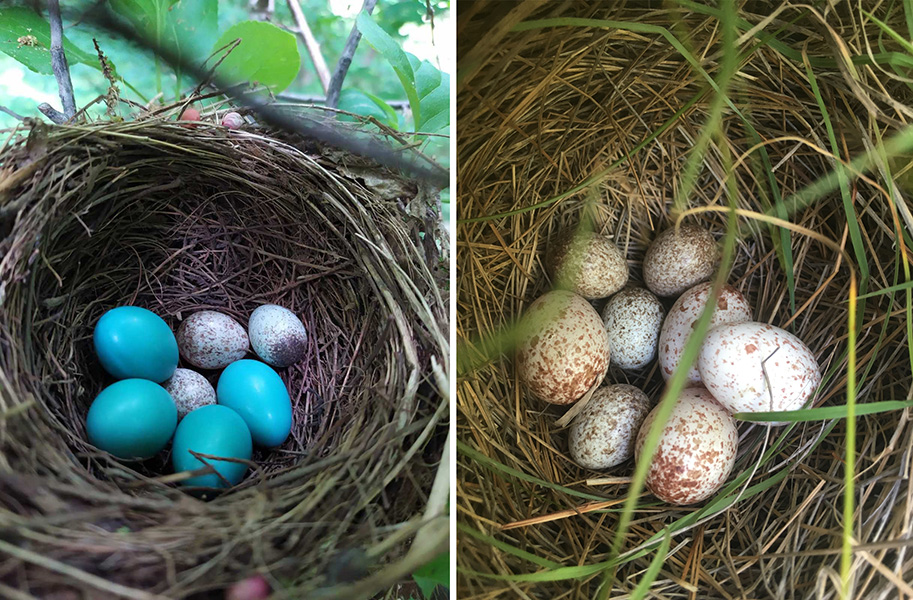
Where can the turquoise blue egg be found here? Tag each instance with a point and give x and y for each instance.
(132, 418)
(132, 342)
(257, 393)
(215, 430)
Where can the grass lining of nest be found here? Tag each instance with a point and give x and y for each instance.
(178, 220)
(753, 126)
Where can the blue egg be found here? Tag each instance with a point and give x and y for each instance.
(132, 342)
(257, 393)
(215, 430)
(132, 418)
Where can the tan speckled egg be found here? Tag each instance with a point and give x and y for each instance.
(731, 307)
(675, 262)
(632, 320)
(738, 360)
(189, 390)
(588, 264)
(696, 451)
(562, 349)
(277, 335)
(602, 435)
(211, 340)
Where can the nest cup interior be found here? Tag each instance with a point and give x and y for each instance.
(552, 107)
(179, 221)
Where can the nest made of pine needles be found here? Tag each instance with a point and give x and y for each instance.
(176, 219)
(606, 124)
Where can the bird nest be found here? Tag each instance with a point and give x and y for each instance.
(177, 220)
(785, 139)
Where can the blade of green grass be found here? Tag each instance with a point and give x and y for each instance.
(643, 586)
(824, 413)
(465, 529)
(849, 489)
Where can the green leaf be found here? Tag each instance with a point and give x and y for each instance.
(35, 52)
(433, 574)
(267, 55)
(367, 105)
(381, 41)
(433, 89)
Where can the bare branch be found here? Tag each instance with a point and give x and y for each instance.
(342, 67)
(59, 61)
(311, 44)
(11, 113)
(52, 113)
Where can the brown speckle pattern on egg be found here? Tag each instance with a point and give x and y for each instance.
(588, 264)
(738, 360)
(632, 319)
(189, 390)
(675, 261)
(602, 435)
(696, 451)
(277, 335)
(563, 349)
(211, 340)
(731, 307)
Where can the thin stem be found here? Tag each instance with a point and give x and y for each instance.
(342, 67)
(59, 60)
(310, 42)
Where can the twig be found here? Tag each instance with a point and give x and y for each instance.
(59, 61)
(262, 10)
(311, 44)
(4, 109)
(342, 67)
(52, 113)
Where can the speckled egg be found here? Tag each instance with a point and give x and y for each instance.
(696, 451)
(563, 348)
(189, 390)
(632, 319)
(676, 261)
(588, 264)
(602, 435)
(277, 335)
(212, 340)
(738, 360)
(731, 307)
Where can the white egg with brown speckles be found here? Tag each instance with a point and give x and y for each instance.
(677, 260)
(602, 435)
(696, 451)
(277, 335)
(632, 319)
(756, 367)
(189, 390)
(211, 340)
(562, 349)
(731, 307)
(588, 264)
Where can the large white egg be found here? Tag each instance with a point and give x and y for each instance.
(756, 367)
(588, 264)
(731, 307)
(677, 260)
(211, 340)
(602, 435)
(277, 335)
(696, 452)
(632, 319)
(562, 349)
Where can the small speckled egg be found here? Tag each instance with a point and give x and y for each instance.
(212, 340)
(190, 391)
(602, 435)
(563, 348)
(632, 320)
(696, 452)
(132, 418)
(738, 360)
(277, 335)
(257, 393)
(217, 431)
(588, 264)
(731, 307)
(676, 261)
(132, 342)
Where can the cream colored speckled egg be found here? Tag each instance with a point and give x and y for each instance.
(632, 319)
(602, 435)
(676, 261)
(189, 390)
(588, 264)
(211, 340)
(739, 360)
(696, 452)
(562, 349)
(731, 307)
(277, 335)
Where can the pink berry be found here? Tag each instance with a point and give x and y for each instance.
(190, 114)
(232, 120)
(252, 588)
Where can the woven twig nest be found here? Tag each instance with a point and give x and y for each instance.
(593, 125)
(178, 220)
